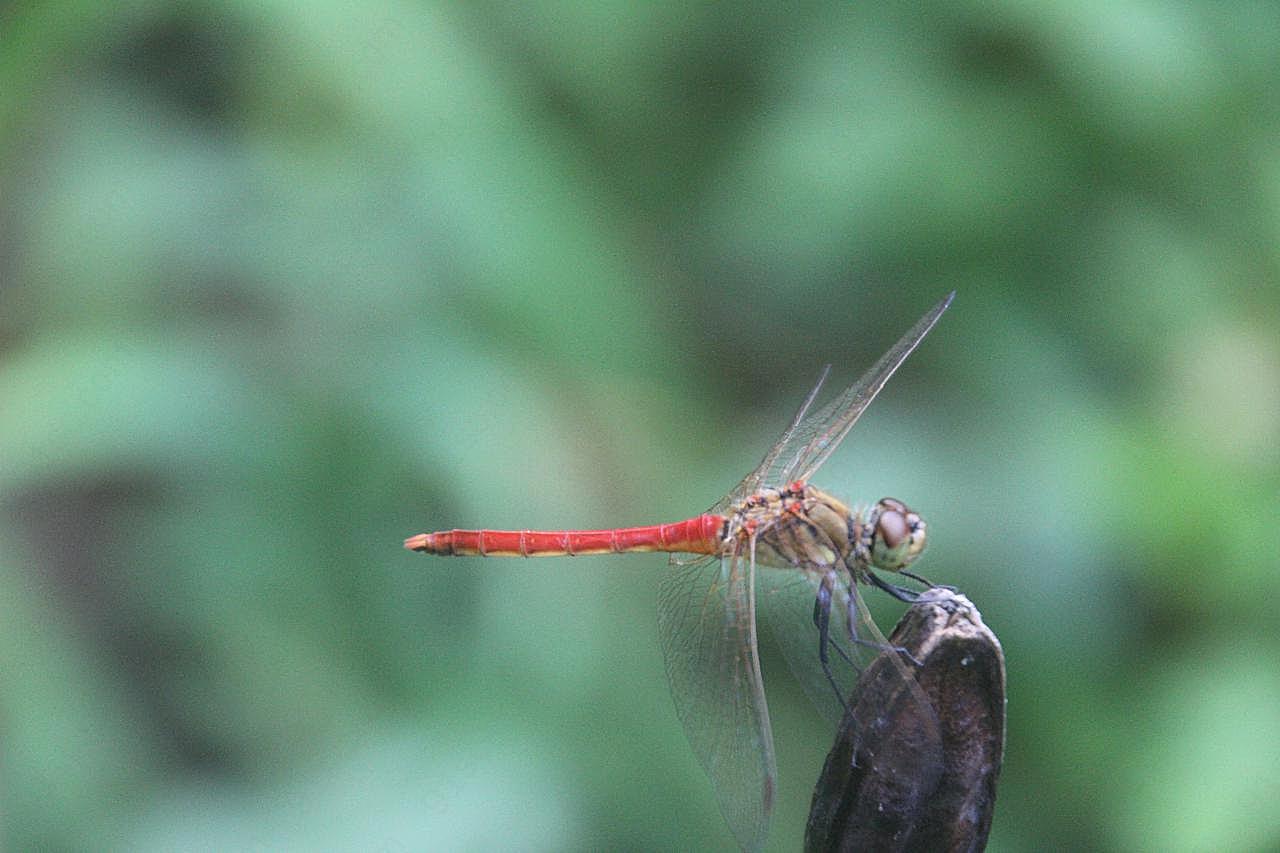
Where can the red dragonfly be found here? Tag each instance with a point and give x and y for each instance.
(773, 520)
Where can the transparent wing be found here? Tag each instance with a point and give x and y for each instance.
(812, 437)
(757, 478)
(786, 598)
(706, 621)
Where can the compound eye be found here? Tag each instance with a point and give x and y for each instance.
(893, 504)
(892, 528)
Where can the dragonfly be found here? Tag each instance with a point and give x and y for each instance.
(775, 540)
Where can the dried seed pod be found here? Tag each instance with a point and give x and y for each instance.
(907, 775)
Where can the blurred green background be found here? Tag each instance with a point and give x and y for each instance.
(283, 283)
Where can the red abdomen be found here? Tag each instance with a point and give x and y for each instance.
(700, 535)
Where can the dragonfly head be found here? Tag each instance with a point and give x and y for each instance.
(897, 535)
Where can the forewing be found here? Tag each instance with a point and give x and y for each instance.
(821, 432)
(757, 478)
(814, 435)
(706, 621)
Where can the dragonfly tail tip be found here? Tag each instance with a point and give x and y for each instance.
(416, 543)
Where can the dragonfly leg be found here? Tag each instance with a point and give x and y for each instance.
(916, 577)
(926, 581)
(822, 621)
(897, 592)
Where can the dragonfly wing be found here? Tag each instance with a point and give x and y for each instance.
(927, 736)
(821, 432)
(814, 435)
(786, 598)
(753, 481)
(706, 621)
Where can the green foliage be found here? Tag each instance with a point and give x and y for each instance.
(281, 284)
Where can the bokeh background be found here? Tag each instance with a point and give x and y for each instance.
(283, 283)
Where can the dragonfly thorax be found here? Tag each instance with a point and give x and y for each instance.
(797, 526)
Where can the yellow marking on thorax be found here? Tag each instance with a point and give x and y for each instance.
(808, 529)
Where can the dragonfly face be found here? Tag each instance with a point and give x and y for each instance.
(897, 535)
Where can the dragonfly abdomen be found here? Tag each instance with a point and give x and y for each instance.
(699, 535)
